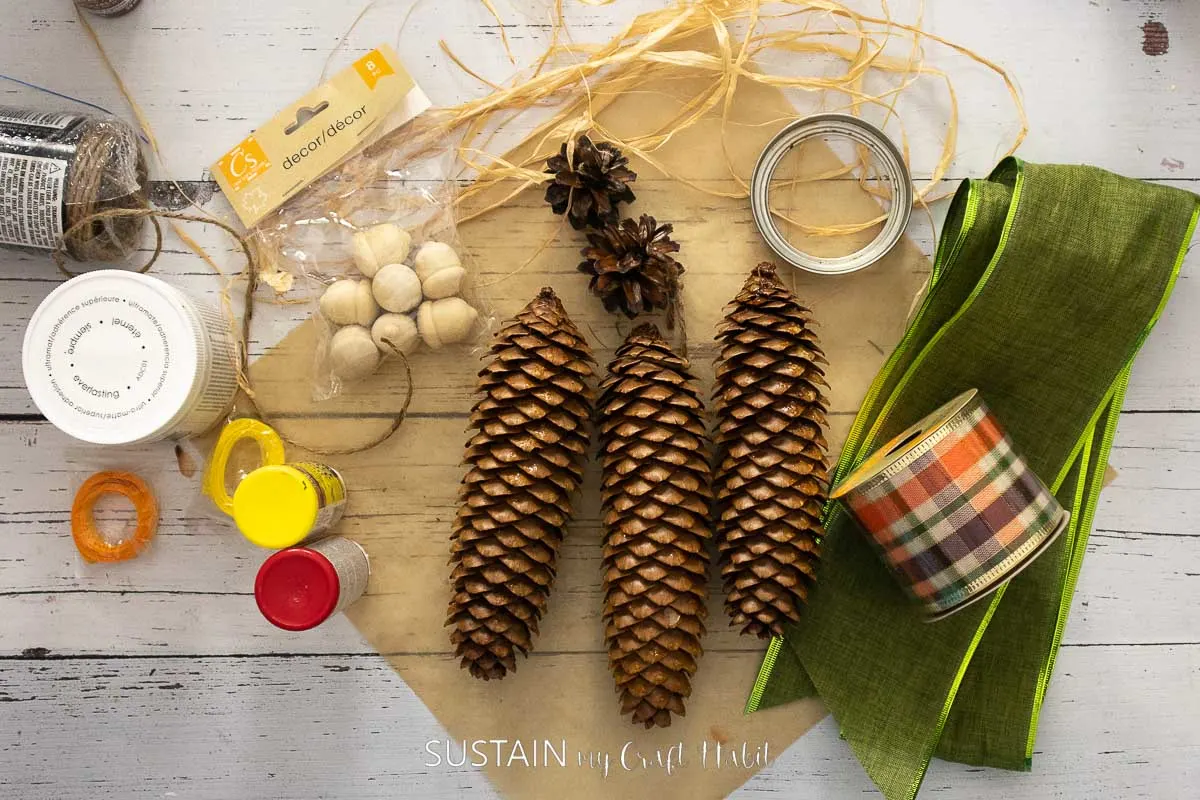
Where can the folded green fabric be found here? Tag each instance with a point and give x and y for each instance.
(1046, 282)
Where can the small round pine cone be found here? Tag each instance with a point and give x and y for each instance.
(590, 184)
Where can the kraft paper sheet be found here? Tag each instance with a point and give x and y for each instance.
(403, 493)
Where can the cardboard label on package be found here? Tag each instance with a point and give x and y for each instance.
(311, 136)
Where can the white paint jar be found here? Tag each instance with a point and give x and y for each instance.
(115, 357)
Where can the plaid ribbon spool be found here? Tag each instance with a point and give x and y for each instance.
(951, 506)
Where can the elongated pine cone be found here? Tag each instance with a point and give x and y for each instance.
(656, 501)
(526, 459)
(772, 479)
(589, 185)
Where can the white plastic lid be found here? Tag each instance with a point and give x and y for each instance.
(114, 357)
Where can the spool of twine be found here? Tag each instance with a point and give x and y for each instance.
(104, 172)
(108, 8)
(108, 173)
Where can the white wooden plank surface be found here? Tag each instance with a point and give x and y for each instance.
(225, 727)
(154, 679)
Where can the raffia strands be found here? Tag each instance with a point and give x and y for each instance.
(659, 43)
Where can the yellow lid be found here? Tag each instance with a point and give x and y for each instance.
(275, 506)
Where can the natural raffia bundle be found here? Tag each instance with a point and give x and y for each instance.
(526, 459)
(772, 479)
(580, 80)
(656, 495)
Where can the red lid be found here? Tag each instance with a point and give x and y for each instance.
(297, 589)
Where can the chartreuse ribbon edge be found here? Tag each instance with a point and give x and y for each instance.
(1091, 469)
(1081, 520)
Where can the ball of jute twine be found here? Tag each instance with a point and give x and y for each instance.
(108, 8)
(108, 172)
(112, 216)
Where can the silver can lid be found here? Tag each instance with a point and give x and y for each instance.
(860, 132)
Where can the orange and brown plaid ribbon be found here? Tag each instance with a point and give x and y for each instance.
(956, 511)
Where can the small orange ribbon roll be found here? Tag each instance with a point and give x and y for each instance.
(92, 545)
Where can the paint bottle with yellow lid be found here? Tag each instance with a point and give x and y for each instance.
(283, 505)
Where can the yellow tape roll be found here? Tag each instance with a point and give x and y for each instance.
(270, 448)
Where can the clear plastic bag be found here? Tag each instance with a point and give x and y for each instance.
(61, 169)
(375, 245)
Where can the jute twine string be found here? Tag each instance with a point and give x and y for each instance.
(393, 426)
(108, 171)
(250, 277)
(113, 218)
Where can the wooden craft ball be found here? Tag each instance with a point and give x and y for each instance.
(399, 330)
(397, 288)
(353, 354)
(434, 257)
(447, 321)
(380, 245)
(349, 302)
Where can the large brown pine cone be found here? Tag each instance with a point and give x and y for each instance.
(526, 459)
(771, 480)
(590, 186)
(656, 502)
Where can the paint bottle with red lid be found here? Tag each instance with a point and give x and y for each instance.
(299, 588)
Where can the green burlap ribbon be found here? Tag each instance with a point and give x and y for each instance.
(1046, 282)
